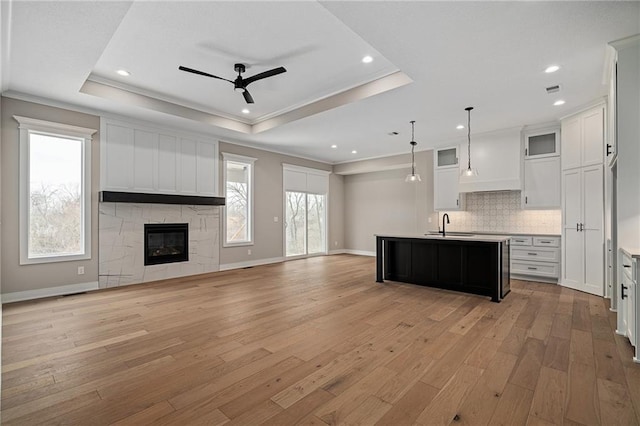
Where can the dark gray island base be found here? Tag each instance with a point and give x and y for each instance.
(471, 264)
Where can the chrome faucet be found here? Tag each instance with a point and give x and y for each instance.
(443, 232)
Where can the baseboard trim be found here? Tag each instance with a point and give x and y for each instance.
(250, 263)
(360, 252)
(19, 296)
(338, 251)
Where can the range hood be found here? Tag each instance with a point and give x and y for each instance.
(497, 156)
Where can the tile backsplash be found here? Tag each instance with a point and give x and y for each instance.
(502, 212)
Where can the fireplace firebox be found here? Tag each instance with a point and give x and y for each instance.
(166, 243)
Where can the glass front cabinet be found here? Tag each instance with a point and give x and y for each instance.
(542, 144)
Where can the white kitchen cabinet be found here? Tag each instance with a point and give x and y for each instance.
(541, 183)
(535, 257)
(628, 299)
(541, 144)
(446, 195)
(137, 158)
(583, 139)
(446, 157)
(582, 229)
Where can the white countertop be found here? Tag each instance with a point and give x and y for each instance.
(510, 234)
(631, 251)
(470, 237)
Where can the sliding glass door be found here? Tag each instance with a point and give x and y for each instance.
(305, 224)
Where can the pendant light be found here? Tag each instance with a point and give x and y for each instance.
(413, 176)
(469, 171)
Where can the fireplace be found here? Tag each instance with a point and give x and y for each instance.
(166, 243)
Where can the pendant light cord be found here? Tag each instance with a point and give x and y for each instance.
(469, 136)
(413, 144)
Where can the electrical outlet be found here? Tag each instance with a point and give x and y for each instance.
(275, 219)
(335, 243)
(249, 252)
(429, 219)
(80, 270)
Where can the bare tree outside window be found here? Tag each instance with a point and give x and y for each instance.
(305, 223)
(237, 202)
(55, 196)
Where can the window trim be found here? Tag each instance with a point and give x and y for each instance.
(226, 157)
(31, 125)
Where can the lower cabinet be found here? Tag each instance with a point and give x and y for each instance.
(628, 300)
(535, 258)
(469, 266)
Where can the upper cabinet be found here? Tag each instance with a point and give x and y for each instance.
(542, 183)
(583, 139)
(541, 163)
(137, 158)
(446, 157)
(446, 193)
(541, 144)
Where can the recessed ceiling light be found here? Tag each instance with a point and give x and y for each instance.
(459, 127)
(334, 146)
(354, 152)
(558, 102)
(552, 68)
(124, 73)
(367, 59)
(245, 111)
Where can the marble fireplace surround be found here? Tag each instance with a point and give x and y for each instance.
(121, 241)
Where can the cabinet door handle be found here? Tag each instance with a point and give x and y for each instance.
(545, 242)
(577, 227)
(626, 266)
(532, 254)
(457, 204)
(608, 150)
(526, 200)
(623, 288)
(582, 227)
(532, 268)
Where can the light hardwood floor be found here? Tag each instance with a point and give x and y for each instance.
(315, 341)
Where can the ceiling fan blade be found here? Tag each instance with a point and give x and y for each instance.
(247, 96)
(191, 70)
(265, 74)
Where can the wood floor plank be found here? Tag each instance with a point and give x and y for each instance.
(527, 369)
(582, 404)
(616, 407)
(444, 407)
(549, 396)
(513, 407)
(407, 409)
(311, 342)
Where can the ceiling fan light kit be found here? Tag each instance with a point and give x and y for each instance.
(469, 172)
(413, 176)
(239, 84)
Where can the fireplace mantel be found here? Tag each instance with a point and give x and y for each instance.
(141, 197)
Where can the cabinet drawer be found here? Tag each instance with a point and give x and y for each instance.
(521, 241)
(546, 241)
(536, 254)
(628, 269)
(534, 268)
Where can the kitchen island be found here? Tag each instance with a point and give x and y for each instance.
(477, 264)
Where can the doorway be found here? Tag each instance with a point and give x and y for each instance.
(305, 224)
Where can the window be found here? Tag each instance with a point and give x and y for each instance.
(55, 191)
(238, 186)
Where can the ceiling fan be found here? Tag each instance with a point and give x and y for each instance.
(240, 83)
